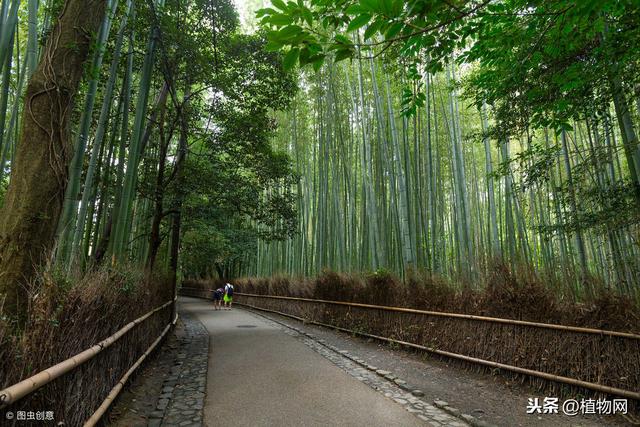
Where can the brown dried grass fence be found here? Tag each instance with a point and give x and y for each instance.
(64, 327)
(549, 356)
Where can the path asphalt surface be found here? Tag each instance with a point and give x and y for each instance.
(260, 376)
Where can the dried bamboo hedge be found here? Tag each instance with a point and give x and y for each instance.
(90, 312)
(607, 360)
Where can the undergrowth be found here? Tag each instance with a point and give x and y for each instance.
(521, 293)
(66, 317)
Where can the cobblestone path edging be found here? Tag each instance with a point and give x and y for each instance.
(183, 391)
(438, 413)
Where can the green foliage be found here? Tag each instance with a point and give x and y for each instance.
(533, 164)
(540, 62)
(549, 65)
(238, 187)
(130, 279)
(379, 160)
(233, 86)
(506, 142)
(60, 279)
(3, 190)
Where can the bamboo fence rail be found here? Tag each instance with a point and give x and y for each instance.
(530, 372)
(449, 315)
(102, 409)
(544, 375)
(27, 386)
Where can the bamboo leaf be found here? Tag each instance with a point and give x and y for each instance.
(372, 30)
(280, 5)
(393, 30)
(359, 22)
(318, 63)
(291, 58)
(343, 54)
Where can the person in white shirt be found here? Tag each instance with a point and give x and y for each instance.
(228, 296)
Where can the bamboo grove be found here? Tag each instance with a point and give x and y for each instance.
(415, 136)
(410, 157)
(122, 130)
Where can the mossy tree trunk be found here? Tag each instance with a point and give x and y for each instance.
(30, 214)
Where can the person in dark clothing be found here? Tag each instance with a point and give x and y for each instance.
(217, 298)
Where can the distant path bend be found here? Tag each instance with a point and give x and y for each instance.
(260, 376)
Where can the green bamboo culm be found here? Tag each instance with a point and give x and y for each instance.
(99, 137)
(4, 103)
(9, 20)
(122, 227)
(32, 38)
(69, 212)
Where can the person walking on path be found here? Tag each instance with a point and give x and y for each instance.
(228, 296)
(217, 299)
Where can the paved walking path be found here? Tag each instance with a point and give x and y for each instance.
(170, 390)
(183, 390)
(260, 376)
(248, 368)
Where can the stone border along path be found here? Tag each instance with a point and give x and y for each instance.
(183, 391)
(437, 414)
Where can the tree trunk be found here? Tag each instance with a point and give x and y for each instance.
(493, 218)
(177, 207)
(101, 248)
(32, 207)
(155, 239)
(72, 192)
